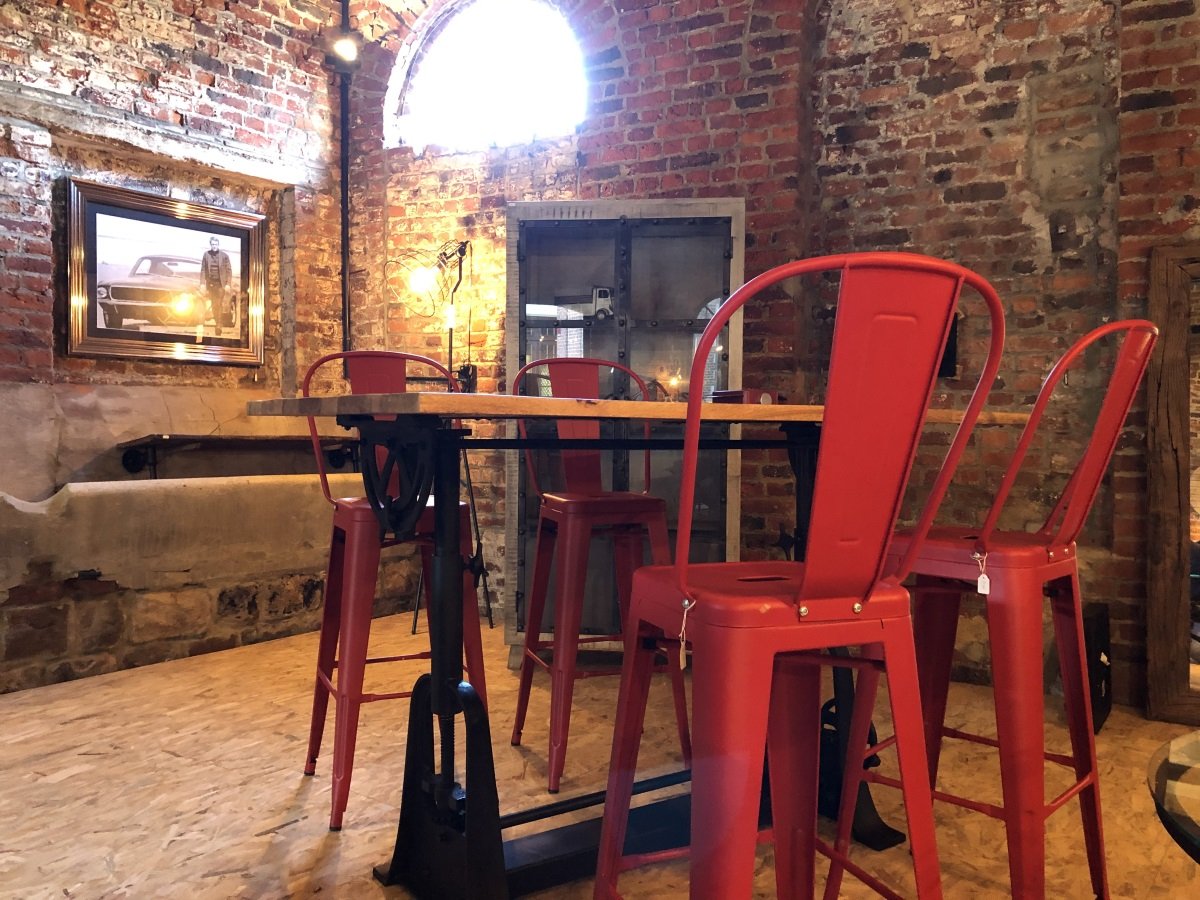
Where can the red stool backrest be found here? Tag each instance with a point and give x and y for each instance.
(579, 377)
(1067, 518)
(893, 319)
(370, 372)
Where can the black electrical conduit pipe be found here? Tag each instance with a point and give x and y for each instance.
(344, 161)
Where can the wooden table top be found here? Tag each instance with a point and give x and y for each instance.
(506, 406)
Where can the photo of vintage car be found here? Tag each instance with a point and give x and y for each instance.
(159, 290)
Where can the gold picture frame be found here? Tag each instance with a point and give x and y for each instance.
(152, 277)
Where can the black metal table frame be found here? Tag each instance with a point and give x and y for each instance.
(145, 452)
(449, 838)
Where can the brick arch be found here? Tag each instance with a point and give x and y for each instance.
(418, 31)
(420, 26)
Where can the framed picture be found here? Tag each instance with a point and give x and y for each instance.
(152, 277)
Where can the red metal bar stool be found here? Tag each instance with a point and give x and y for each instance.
(350, 580)
(756, 629)
(567, 519)
(1014, 570)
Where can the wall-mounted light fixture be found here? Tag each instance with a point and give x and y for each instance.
(344, 50)
(430, 281)
(434, 277)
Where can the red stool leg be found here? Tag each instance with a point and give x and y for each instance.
(570, 582)
(793, 750)
(543, 555)
(636, 669)
(1014, 613)
(675, 663)
(361, 571)
(627, 557)
(935, 625)
(660, 542)
(1068, 633)
(627, 554)
(910, 748)
(731, 679)
(472, 639)
(660, 555)
(865, 688)
(327, 648)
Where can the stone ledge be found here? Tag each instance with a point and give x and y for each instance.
(170, 533)
(68, 116)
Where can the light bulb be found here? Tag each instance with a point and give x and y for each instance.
(423, 280)
(345, 48)
(450, 316)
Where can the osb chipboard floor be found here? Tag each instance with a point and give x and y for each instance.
(184, 779)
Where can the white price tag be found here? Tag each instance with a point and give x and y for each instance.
(983, 584)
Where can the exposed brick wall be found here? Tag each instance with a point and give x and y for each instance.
(983, 132)
(988, 133)
(26, 254)
(56, 629)
(1159, 205)
(706, 99)
(1160, 134)
(1047, 145)
(223, 104)
(220, 103)
(694, 99)
(245, 72)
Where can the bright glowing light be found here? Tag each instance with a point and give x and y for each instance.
(450, 318)
(463, 96)
(423, 280)
(345, 48)
(182, 304)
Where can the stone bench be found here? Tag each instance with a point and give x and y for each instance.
(107, 575)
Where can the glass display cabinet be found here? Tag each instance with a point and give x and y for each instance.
(634, 282)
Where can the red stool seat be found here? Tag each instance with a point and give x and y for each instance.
(616, 503)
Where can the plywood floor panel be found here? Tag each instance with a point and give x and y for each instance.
(184, 779)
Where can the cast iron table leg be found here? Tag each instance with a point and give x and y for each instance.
(448, 842)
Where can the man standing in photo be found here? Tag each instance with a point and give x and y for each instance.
(216, 273)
